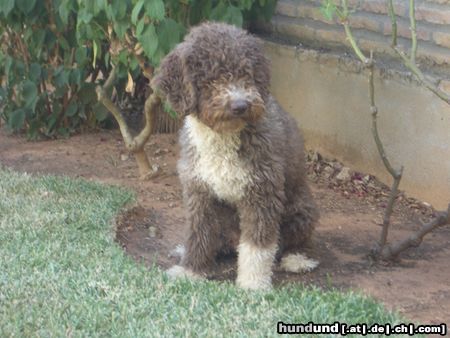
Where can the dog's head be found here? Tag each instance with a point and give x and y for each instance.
(219, 74)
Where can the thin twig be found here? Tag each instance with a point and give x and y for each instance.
(421, 77)
(412, 20)
(391, 12)
(349, 34)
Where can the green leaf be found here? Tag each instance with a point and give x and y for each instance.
(168, 109)
(75, 77)
(26, 6)
(155, 9)
(85, 16)
(149, 41)
(234, 16)
(6, 6)
(8, 65)
(99, 5)
(52, 122)
(123, 57)
(218, 12)
(169, 34)
(136, 11)
(16, 119)
(121, 27)
(35, 72)
(140, 26)
(72, 109)
(81, 55)
(119, 9)
(87, 93)
(29, 94)
(107, 58)
(63, 43)
(61, 77)
(245, 4)
(64, 11)
(328, 9)
(101, 113)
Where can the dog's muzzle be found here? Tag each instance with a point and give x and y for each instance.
(239, 107)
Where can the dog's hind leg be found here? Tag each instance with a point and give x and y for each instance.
(296, 229)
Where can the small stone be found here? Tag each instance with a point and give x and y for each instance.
(337, 166)
(160, 151)
(344, 174)
(316, 157)
(378, 221)
(328, 171)
(152, 231)
(156, 168)
(172, 205)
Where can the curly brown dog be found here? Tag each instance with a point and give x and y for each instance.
(242, 158)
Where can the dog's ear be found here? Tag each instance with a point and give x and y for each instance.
(172, 83)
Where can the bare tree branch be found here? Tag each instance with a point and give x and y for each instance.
(134, 144)
(382, 249)
(392, 250)
(396, 174)
(106, 101)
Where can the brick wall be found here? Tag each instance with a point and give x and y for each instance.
(302, 22)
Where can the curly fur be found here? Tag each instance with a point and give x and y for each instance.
(242, 159)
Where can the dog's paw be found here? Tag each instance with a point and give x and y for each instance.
(298, 263)
(178, 252)
(178, 271)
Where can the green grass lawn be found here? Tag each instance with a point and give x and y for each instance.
(62, 274)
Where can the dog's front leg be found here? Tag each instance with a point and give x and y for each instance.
(259, 222)
(203, 238)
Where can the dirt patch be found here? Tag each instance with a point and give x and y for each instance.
(417, 286)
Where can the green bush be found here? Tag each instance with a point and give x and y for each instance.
(54, 52)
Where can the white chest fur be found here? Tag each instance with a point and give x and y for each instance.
(217, 162)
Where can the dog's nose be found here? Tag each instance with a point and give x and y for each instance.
(239, 107)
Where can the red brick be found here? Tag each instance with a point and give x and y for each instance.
(442, 39)
(370, 23)
(287, 8)
(380, 7)
(404, 31)
(292, 29)
(331, 35)
(444, 85)
(441, 2)
(439, 15)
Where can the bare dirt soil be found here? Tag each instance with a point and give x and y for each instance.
(418, 285)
